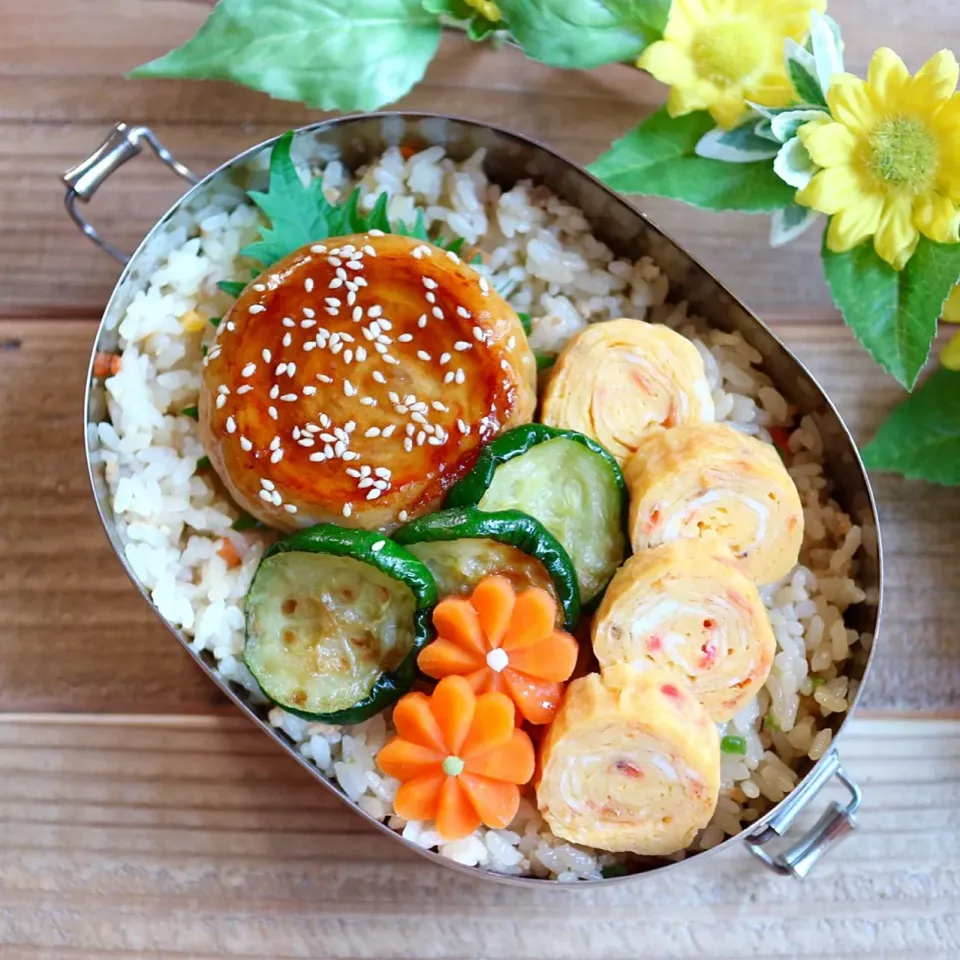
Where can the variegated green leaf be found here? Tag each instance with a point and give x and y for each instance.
(790, 222)
(802, 70)
(827, 48)
(740, 145)
(786, 125)
(793, 164)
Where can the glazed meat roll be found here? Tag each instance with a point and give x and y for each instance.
(688, 607)
(630, 763)
(711, 480)
(615, 380)
(356, 380)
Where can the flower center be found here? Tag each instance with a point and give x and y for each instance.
(903, 153)
(452, 766)
(727, 53)
(497, 659)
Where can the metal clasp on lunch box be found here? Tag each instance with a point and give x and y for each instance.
(836, 823)
(83, 180)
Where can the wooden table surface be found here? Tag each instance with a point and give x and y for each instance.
(139, 818)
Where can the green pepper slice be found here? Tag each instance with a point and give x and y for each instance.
(569, 482)
(334, 621)
(511, 527)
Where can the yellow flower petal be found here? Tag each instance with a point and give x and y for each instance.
(668, 63)
(937, 217)
(948, 180)
(936, 80)
(950, 355)
(684, 100)
(854, 224)
(773, 89)
(729, 107)
(829, 144)
(951, 309)
(851, 103)
(831, 190)
(896, 237)
(887, 75)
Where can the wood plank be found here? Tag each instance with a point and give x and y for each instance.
(198, 839)
(76, 636)
(59, 96)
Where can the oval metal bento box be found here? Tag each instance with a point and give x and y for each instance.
(510, 157)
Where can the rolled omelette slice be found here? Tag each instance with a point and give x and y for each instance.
(687, 607)
(711, 480)
(631, 763)
(615, 380)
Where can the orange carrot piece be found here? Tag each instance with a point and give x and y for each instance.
(456, 816)
(537, 700)
(534, 615)
(496, 630)
(407, 151)
(106, 364)
(453, 704)
(415, 722)
(228, 552)
(492, 724)
(417, 799)
(495, 802)
(494, 599)
(444, 657)
(406, 761)
(456, 619)
(448, 737)
(512, 762)
(552, 658)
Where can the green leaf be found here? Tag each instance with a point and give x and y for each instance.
(203, 464)
(893, 314)
(332, 54)
(525, 322)
(298, 214)
(921, 438)
(192, 412)
(377, 220)
(215, 321)
(480, 28)
(232, 288)
(544, 361)
(418, 230)
(581, 34)
(658, 158)
(246, 522)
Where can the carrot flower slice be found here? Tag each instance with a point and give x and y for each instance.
(460, 758)
(502, 641)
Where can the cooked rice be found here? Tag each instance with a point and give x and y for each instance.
(540, 252)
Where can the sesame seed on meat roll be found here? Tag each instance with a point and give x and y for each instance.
(356, 380)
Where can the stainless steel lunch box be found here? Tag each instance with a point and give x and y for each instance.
(357, 140)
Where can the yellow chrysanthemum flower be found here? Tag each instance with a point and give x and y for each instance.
(717, 54)
(891, 154)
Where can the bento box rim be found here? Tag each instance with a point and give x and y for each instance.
(533, 146)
